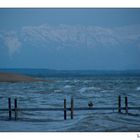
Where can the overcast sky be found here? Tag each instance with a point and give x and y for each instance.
(101, 39)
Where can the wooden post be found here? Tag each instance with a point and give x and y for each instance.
(15, 103)
(119, 104)
(9, 107)
(65, 109)
(126, 105)
(72, 107)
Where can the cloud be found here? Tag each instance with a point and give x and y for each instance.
(46, 33)
(84, 36)
(70, 36)
(128, 34)
(11, 41)
(66, 34)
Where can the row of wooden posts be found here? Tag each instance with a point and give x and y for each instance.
(71, 109)
(119, 104)
(16, 109)
(10, 108)
(65, 108)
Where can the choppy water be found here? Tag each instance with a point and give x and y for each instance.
(102, 90)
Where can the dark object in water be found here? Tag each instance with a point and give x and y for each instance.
(90, 104)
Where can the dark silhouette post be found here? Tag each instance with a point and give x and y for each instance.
(9, 107)
(65, 109)
(72, 107)
(15, 103)
(119, 104)
(126, 105)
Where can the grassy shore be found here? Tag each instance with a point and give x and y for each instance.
(13, 77)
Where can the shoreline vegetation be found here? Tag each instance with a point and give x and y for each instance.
(15, 77)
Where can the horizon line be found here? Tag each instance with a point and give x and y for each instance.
(75, 69)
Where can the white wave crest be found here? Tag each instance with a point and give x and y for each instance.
(138, 88)
(66, 81)
(83, 89)
(57, 91)
(87, 81)
(67, 86)
(76, 81)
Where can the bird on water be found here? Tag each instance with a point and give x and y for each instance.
(90, 104)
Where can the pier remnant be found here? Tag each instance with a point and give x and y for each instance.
(15, 105)
(65, 109)
(72, 107)
(119, 104)
(9, 108)
(126, 105)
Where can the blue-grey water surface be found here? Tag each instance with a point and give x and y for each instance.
(103, 91)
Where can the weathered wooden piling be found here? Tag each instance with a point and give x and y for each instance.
(15, 109)
(65, 109)
(9, 108)
(119, 104)
(72, 107)
(126, 105)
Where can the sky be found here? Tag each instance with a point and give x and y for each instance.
(70, 39)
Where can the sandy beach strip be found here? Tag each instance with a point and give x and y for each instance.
(13, 77)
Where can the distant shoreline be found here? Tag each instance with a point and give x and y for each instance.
(41, 73)
(14, 77)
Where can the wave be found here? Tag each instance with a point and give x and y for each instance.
(76, 81)
(138, 88)
(83, 89)
(66, 81)
(57, 91)
(87, 81)
(107, 91)
(67, 86)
